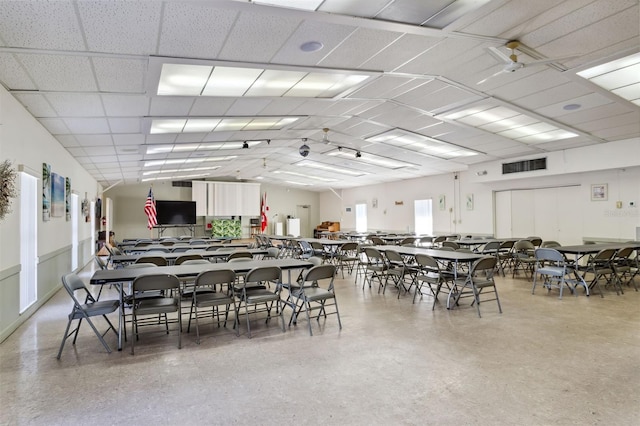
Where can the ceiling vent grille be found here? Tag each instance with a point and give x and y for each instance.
(524, 166)
(181, 183)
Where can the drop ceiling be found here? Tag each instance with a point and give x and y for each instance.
(89, 72)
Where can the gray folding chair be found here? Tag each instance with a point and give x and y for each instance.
(210, 292)
(556, 272)
(252, 292)
(85, 310)
(480, 278)
(432, 276)
(166, 283)
(311, 295)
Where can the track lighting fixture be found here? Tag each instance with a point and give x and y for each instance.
(245, 145)
(358, 155)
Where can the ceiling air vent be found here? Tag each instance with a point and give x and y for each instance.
(181, 183)
(524, 166)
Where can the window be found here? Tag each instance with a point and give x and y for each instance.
(28, 240)
(423, 217)
(361, 217)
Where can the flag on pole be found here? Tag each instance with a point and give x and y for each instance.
(263, 212)
(150, 210)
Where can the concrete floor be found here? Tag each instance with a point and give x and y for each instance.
(543, 361)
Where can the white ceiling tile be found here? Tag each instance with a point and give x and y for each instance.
(412, 11)
(267, 32)
(124, 125)
(77, 151)
(36, 104)
(248, 106)
(55, 126)
(384, 84)
(442, 55)
(76, 104)
(552, 95)
(620, 132)
(87, 125)
(120, 75)
(100, 150)
(282, 106)
(358, 48)
(368, 9)
(209, 106)
(170, 105)
(122, 26)
(329, 34)
(60, 73)
(129, 139)
(589, 101)
(67, 141)
(126, 105)
(211, 24)
(13, 75)
(40, 25)
(94, 140)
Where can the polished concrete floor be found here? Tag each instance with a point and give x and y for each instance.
(543, 361)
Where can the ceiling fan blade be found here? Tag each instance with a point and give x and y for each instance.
(490, 77)
(550, 61)
(496, 53)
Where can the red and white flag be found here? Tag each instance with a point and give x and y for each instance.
(150, 210)
(263, 212)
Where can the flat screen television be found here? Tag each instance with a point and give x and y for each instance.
(176, 212)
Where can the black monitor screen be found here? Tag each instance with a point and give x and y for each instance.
(176, 212)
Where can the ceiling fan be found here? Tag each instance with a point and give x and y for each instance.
(511, 63)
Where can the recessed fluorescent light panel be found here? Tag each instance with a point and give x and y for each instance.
(205, 146)
(292, 4)
(206, 125)
(621, 77)
(509, 124)
(420, 143)
(208, 80)
(175, 177)
(371, 159)
(172, 161)
(305, 176)
(327, 167)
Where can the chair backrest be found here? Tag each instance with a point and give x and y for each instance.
(445, 248)
(316, 245)
(451, 244)
(214, 247)
(273, 252)
(305, 246)
(195, 262)
(240, 254)
(181, 259)
(157, 260)
(167, 242)
(320, 272)
(263, 273)
(536, 241)
(373, 254)
(72, 283)
(604, 255)
(349, 247)
(393, 256)
(150, 282)
(549, 254)
(624, 253)
(141, 265)
(377, 241)
(506, 245)
(160, 250)
(197, 241)
(491, 246)
(550, 244)
(408, 240)
(523, 246)
(427, 262)
(487, 263)
(440, 239)
(220, 276)
(424, 240)
(143, 244)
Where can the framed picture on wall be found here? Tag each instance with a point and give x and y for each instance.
(442, 203)
(599, 192)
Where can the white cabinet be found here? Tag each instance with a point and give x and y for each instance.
(226, 198)
(293, 227)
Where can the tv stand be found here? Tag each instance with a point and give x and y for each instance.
(162, 228)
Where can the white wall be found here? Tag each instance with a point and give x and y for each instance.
(24, 141)
(130, 221)
(600, 219)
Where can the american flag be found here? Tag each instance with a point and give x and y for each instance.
(150, 210)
